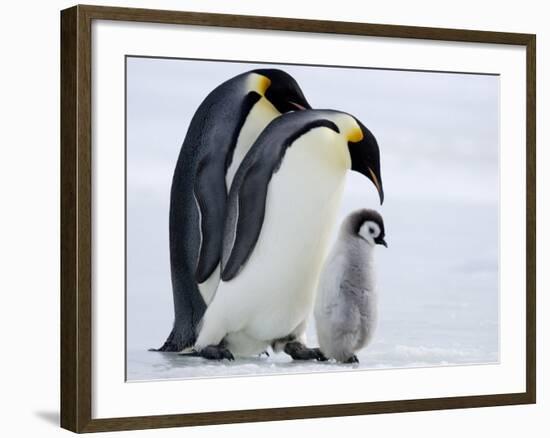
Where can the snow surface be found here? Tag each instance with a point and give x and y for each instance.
(437, 280)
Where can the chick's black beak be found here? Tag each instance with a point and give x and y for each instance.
(365, 159)
(381, 241)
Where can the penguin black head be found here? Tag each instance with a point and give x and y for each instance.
(283, 91)
(365, 157)
(367, 225)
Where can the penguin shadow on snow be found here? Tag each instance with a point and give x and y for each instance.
(277, 362)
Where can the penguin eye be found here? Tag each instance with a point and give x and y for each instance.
(371, 230)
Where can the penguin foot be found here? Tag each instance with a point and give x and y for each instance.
(352, 359)
(299, 351)
(216, 352)
(166, 347)
(175, 342)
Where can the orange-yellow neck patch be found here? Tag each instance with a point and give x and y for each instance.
(262, 84)
(355, 135)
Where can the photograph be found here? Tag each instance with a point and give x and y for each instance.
(289, 218)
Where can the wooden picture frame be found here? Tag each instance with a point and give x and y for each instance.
(76, 217)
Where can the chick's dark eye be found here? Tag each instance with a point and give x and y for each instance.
(371, 230)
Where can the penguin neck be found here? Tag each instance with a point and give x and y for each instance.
(357, 247)
(261, 114)
(258, 83)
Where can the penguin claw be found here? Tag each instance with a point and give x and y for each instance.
(299, 351)
(216, 352)
(352, 359)
(228, 355)
(320, 355)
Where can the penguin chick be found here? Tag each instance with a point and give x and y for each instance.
(346, 304)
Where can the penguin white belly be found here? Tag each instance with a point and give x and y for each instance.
(258, 118)
(208, 288)
(275, 290)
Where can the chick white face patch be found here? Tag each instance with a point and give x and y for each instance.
(369, 231)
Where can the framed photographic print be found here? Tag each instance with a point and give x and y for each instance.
(268, 218)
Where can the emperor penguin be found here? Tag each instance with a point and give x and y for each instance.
(281, 209)
(221, 131)
(346, 302)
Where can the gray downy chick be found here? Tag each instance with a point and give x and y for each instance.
(346, 304)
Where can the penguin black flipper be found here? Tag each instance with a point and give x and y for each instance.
(210, 189)
(210, 195)
(248, 194)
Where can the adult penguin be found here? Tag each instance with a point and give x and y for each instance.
(220, 133)
(281, 209)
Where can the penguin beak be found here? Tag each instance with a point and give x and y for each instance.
(300, 107)
(365, 159)
(376, 181)
(381, 241)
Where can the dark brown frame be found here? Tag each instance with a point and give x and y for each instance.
(76, 225)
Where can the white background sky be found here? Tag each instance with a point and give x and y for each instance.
(438, 136)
